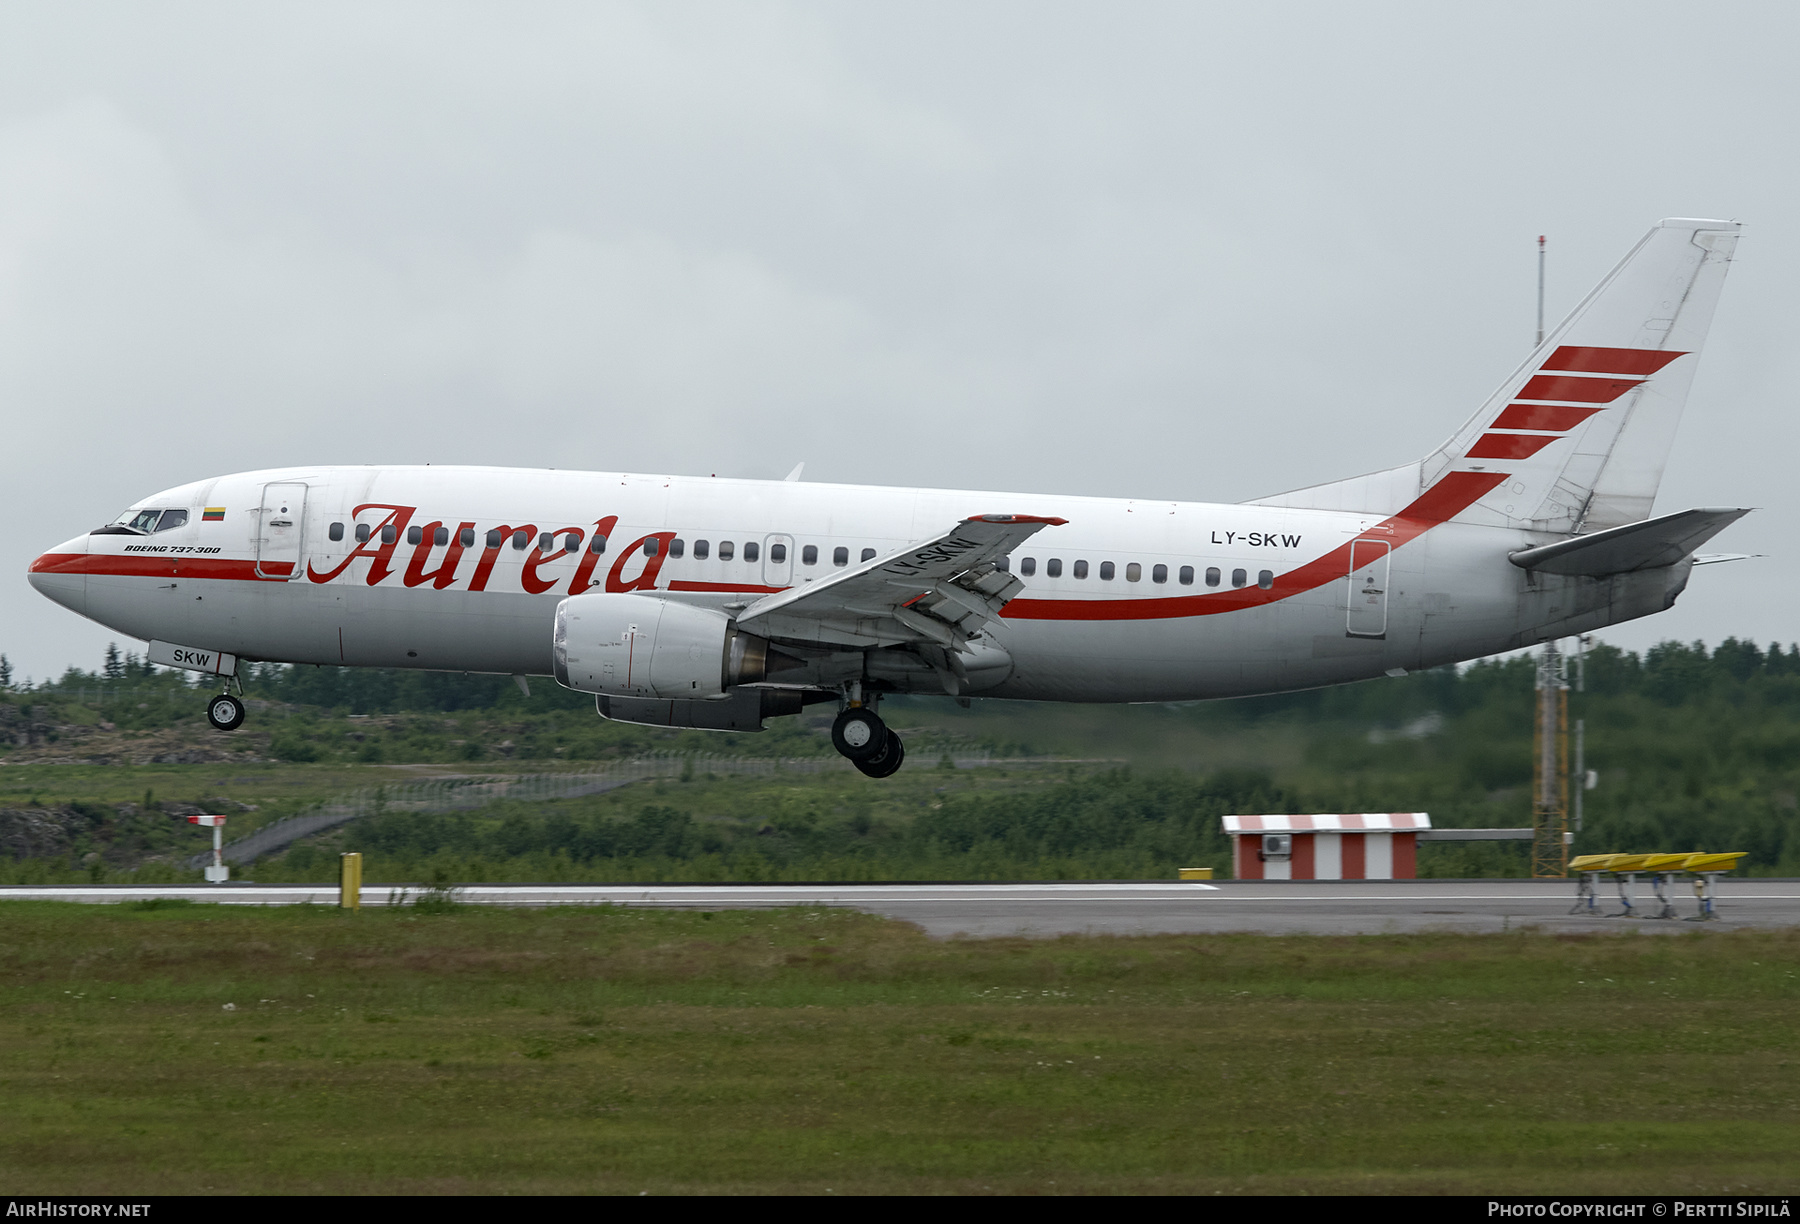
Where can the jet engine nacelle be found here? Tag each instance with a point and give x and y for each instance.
(641, 646)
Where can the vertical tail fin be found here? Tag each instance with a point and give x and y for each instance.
(1577, 437)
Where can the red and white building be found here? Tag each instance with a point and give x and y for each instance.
(1360, 846)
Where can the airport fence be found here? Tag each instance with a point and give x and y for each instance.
(465, 792)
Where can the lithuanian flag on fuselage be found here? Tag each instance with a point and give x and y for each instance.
(213, 514)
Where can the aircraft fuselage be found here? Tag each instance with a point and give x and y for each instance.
(462, 569)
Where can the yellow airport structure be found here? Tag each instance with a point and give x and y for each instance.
(1662, 870)
(350, 881)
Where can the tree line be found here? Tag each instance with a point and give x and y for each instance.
(1670, 673)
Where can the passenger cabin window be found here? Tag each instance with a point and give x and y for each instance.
(336, 532)
(1187, 575)
(1212, 575)
(726, 550)
(1239, 577)
(809, 554)
(597, 545)
(1266, 579)
(572, 542)
(1027, 566)
(1004, 565)
(362, 533)
(414, 534)
(778, 553)
(440, 537)
(1159, 573)
(702, 550)
(466, 537)
(868, 554)
(494, 537)
(677, 547)
(389, 534)
(840, 556)
(752, 550)
(1053, 567)
(521, 539)
(1134, 572)
(172, 519)
(652, 546)
(546, 541)
(1081, 569)
(1106, 571)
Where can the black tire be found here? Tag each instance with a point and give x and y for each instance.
(889, 762)
(225, 712)
(859, 734)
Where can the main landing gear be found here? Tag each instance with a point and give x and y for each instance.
(860, 735)
(225, 712)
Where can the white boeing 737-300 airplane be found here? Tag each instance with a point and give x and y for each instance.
(698, 602)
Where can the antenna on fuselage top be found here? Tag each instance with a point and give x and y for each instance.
(795, 474)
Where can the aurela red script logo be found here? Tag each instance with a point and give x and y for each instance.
(542, 571)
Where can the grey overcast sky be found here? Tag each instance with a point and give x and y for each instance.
(1171, 250)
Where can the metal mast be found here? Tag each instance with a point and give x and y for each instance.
(1540, 331)
(1580, 781)
(1550, 780)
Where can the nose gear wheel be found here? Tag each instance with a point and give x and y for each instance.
(225, 712)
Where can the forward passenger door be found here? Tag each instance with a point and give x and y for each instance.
(280, 530)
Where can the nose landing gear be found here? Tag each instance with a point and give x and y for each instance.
(860, 735)
(225, 712)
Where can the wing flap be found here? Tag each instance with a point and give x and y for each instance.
(942, 592)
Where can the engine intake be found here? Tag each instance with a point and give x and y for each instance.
(641, 646)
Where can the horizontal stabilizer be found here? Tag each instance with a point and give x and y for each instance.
(1635, 546)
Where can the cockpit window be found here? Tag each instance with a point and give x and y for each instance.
(143, 522)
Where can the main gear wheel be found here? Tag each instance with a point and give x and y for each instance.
(888, 762)
(860, 734)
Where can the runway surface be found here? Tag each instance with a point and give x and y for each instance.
(945, 910)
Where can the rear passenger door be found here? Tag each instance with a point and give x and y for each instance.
(1368, 588)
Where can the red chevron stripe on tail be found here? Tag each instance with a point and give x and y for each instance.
(1585, 359)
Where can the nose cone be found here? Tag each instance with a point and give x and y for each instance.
(60, 574)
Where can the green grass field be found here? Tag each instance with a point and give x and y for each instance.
(197, 1049)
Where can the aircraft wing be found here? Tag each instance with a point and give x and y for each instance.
(941, 592)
